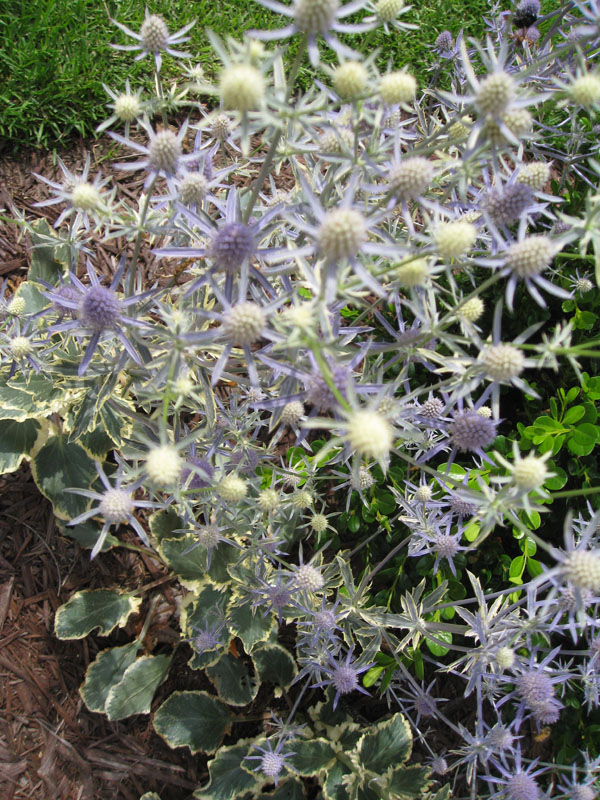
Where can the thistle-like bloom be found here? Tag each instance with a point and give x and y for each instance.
(127, 107)
(162, 156)
(98, 312)
(343, 676)
(154, 38)
(314, 18)
(525, 260)
(115, 505)
(85, 201)
(272, 761)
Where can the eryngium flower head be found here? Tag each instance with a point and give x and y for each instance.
(154, 33)
(582, 569)
(531, 256)
(530, 472)
(526, 13)
(197, 481)
(495, 94)
(193, 189)
(271, 764)
(232, 245)
(164, 465)
(585, 90)
(85, 196)
(388, 10)
(128, 107)
(99, 308)
(413, 274)
(454, 239)
(116, 505)
(164, 152)
(370, 434)
(472, 309)
(444, 43)
(315, 16)
(521, 786)
(397, 87)
(536, 175)
(432, 408)
(535, 687)
(232, 488)
(350, 80)
(244, 323)
(308, 578)
(241, 87)
(292, 413)
(341, 234)
(580, 791)
(506, 205)
(502, 362)
(410, 178)
(318, 393)
(469, 431)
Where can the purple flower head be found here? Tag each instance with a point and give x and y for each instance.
(231, 246)
(444, 43)
(318, 393)
(526, 13)
(202, 475)
(432, 408)
(470, 432)
(343, 676)
(99, 308)
(271, 761)
(521, 786)
(154, 38)
(506, 205)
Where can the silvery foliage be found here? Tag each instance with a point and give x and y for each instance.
(284, 210)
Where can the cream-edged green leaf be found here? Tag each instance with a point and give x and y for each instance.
(16, 440)
(389, 742)
(61, 465)
(274, 664)
(134, 692)
(311, 756)
(233, 681)
(228, 779)
(193, 719)
(105, 672)
(251, 627)
(104, 609)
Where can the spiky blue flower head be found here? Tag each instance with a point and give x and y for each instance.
(69, 293)
(444, 43)
(535, 687)
(232, 245)
(521, 786)
(100, 308)
(318, 393)
(506, 205)
(197, 481)
(469, 431)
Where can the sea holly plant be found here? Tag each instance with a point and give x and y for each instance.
(347, 416)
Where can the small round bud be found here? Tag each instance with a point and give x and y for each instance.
(472, 309)
(337, 140)
(128, 107)
(502, 362)
(315, 16)
(531, 256)
(318, 522)
(85, 197)
(413, 274)
(232, 488)
(388, 10)
(397, 87)
(271, 764)
(529, 473)
(242, 87)
(268, 500)
(193, 189)
(582, 285)
(208, 536)
(432, 408)
(17, 305)
(585, 90)
(164, 466)
(342, 234)
(292, 413)
(231, 246)
(350, 80)
(495, 93)
(221, 127)
(99, 308)
(308, 578)
(154, 33)
(469, 431)
(411, 177)
(582, 569)
(365, 479)
(505, 657)
(116, 505)
(244, 323)
(507, 205)
(20, 346)
(446, 546)
(424, 494)
(485, 412)
(444, 43)
(536, 175)
(165, 152)
(370, 434)
(302, 499)
(454, 239)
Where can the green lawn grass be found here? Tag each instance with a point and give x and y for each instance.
(54, 56)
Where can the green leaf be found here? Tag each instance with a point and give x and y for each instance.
(228, 779)
(94, 608)
(573, 415)
(250, 627)
(438, 649)
(134, 692)
(584, 320)
(472, 531)
(371, 677)
(61, 465)
(16, 440)
(274, 664)
(49, 258)
(517, 565)
(96, 443)
(582, 439)
(534, 568)
(407, 783)
(572, 394)
(291, 789)
(311, 756)
(334, 788)
(163, 523)
(528, 546)
(592, 388)
(233, 681)
(105, 672)
(34, 299)
(193, 719)
(558, 481)
(390, 743)
(189, 568)
(87, 533)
